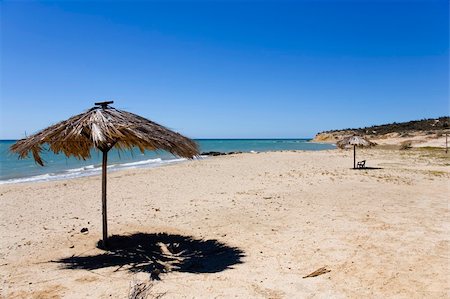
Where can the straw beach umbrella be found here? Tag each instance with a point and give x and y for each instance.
(104, 127)
(355, 141)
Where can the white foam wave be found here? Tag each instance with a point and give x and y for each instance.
(90, 170)
(89, 167)
(48, 177)
(149, 161)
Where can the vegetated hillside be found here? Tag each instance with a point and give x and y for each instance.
(431, 124)
(425, 132)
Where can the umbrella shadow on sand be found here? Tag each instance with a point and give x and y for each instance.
(159, 253)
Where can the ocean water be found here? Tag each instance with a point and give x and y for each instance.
(13, 170)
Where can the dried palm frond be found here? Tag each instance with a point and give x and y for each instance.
(354, 140)
(103, 128)
(143, 290)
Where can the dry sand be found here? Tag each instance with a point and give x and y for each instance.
(281, 215)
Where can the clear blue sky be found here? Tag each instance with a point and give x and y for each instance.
(226, 69)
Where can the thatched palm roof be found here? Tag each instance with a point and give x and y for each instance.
(355, 140)
(104, 127)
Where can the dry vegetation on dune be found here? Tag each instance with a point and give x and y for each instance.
(431, 125)
(420, 133)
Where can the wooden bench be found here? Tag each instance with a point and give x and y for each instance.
(361, 164)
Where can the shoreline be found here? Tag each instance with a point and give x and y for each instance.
(62, 176)
(91, 170)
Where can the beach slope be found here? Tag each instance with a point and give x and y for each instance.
(270, 218)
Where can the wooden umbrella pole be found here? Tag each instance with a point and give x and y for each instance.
(446, 144)
(105, 219)
(354, 156)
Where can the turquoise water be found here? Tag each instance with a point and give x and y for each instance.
(13, 170)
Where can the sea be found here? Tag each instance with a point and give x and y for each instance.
(57, 167)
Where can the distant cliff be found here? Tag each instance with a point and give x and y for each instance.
(426, 132)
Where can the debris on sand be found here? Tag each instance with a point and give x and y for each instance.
(318, 272)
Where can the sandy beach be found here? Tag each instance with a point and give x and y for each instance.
(258, 224)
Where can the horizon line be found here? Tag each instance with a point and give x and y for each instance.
(217, 138)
